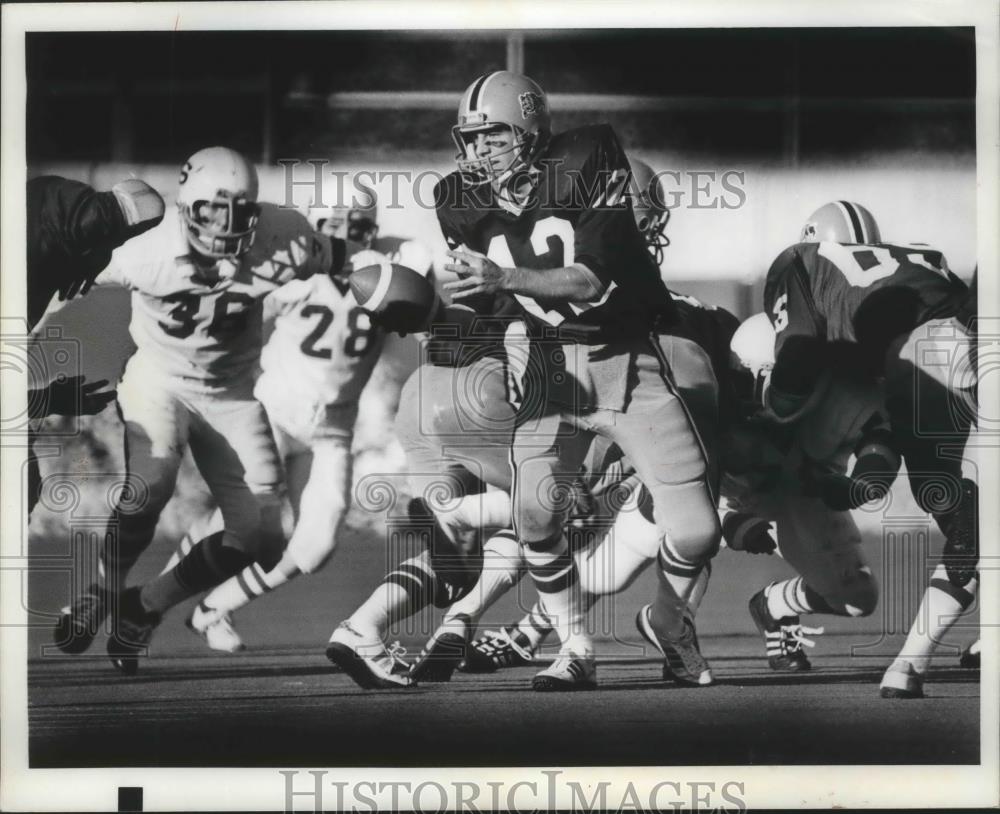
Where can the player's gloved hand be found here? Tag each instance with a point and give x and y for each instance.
(141, 206)
(71, 395)
(747, 532)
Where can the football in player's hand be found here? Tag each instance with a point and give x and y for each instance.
(398, 298)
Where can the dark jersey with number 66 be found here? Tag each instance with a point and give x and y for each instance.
(854, 299)
(579, 212)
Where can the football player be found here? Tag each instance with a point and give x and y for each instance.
(354, 217)
(762, 484)
(473, 443)
(540, 225)
(841, 299)
(197, 282)
(357, 221)
(318, 359)
(72, 230)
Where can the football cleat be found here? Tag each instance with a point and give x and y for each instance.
(684, 662)
(497, 649)
(367, 660)
(440, 657)
(783, 638)
(970, 657)
(133, 628)
(216, 628)
(568, 673)
(79, 623)
(902, 680)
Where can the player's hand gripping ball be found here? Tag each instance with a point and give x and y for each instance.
(396, 297)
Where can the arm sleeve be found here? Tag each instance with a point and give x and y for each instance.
(799, 331)
(70, 219)
(606, 239)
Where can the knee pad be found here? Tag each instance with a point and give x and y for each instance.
(860, 597)
(696, 547)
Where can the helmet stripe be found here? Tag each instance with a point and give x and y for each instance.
(855, 220)
(474, 96)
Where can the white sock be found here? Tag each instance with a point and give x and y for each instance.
(502, 568)
(942, 604)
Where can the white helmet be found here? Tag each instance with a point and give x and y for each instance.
(753, 344)
(841, 222)
(217, 199)
(350, 211)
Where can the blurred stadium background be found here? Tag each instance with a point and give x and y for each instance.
(885, 117)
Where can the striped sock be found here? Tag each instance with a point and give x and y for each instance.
(535, 626)
(553, 570)
(408, 588)
(203, 527)
(249, 584)
(208, 564)
(788, 598)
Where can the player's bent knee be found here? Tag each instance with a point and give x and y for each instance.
(695, 545)
(862, 597)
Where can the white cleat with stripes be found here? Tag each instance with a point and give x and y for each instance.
(568, 673)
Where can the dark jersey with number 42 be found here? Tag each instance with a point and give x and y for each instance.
(579, 212)
(857, 295)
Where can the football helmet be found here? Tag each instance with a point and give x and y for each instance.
(753, 344)
(351, 215)
(501, 99)
(217, 199)
(753, 348)
(841, 222)
(649, 207)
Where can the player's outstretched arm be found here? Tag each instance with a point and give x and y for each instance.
(71, 395)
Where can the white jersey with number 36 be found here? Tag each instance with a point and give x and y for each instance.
(204, 333)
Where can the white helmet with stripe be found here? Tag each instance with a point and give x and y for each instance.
(841, 222)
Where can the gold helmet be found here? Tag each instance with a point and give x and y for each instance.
(501, 99)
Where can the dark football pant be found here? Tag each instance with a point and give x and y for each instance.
(931, 399)
(658, 435)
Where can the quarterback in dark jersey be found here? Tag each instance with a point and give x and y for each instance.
(843, 300)
(544, 222)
